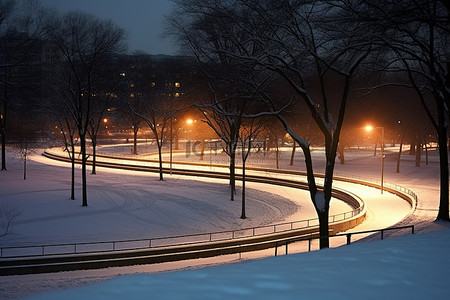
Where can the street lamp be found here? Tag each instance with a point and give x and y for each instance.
(370, 128)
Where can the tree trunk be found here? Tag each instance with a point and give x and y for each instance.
(323, 229)
(291, 163)
(243, 216)
(161, 178)
(135, 132)
(323, 215)
(202, 153)
(277, 153)
(375, 149)
(443, 213)
(3, 129)
(83, 168)
(232, 174)
(412, 149)
(72, 188)
(94, 154)
(341, 155)
(418, 154)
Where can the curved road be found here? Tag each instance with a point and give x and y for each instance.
(221, 248)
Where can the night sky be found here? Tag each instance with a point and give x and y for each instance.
(142, 19)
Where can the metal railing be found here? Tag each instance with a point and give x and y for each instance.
(152, 243)
(347, 235)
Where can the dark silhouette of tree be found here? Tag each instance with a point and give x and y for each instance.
(247, 135)
(416, 34)
(302, 43)
(21, 39)
(85, 45)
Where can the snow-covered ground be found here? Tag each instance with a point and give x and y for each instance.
(409, 267)
(123, 205)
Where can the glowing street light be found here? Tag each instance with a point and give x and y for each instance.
(189, 121)
(370, 128)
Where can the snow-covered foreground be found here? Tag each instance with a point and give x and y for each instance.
(409, 267)
(120, 204)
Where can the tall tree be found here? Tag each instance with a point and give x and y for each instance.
(64, 130)
(21, 39)
(228, 85)
(302, 42)
(85, 45)
(247, 135)
(417, 35)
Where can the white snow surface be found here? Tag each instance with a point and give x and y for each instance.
(124, 205)
(409, 267)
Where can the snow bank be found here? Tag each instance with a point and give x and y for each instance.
(409, 267)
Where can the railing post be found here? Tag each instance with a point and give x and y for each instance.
(309, 245)
(412, 229)
(382, 234)
(349, 237)
(286, 248)
(276, 249)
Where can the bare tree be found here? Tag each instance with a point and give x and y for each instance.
(84, 44)
(301, 43)
(25, 139)
(247, 135)
(417, 35)
(64, 130)
(21, 38)
(153, 96)
(156, 112)
(230, 93)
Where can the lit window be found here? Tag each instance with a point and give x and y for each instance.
(177, 84)
(132, 85)
(132, 95)
(153, 84)
(122, 74)
(177, 94)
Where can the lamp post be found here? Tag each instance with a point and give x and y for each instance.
(370, 128)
